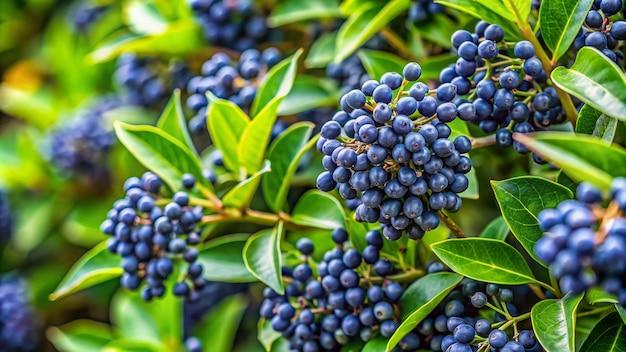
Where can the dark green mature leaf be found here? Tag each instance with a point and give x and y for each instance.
(322, 51)
(582, 157)
(95, 266)
(485, 10)
(377, 63)
(226, 122)
(219, 327)
(560, 22)
(554, 321)
(521, 199)
(223, 261)
(621, 311)
(309, 92)
(292, 11)
(180, 38)
(496, 229)
(241, 195)
(318, 209)
(261, 254)
(285, 154)
(80, 335)
(172, 121)
(608, 336)
(485, 260)
(593, 122)
(161, 153)
(277, 83)
(420, 299)
(132, 317)
(596, 80)
(363, 23)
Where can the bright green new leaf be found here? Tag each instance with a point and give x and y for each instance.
(277, 83)
(496, 229)
(256, 137)
(492, 11)
(266, 335)
(291, 11)
(560, 23)
(596, 80)
(261, 254)
(554, 321)
(318, 209)
(322, 52)
(80, 335)
(226, 122)
(240, 196)
(377, 63)
(172, 121)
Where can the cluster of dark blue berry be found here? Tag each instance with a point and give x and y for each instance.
(150, 237)
(81, 146)
(395, 153)
(231, 24)
(326, 308)
(6, 220)
(19, 323)
(85, 15)
(584, 243)
(602, 33)
(236, 81)
(422, 11)
(457, 325)
(147, 81)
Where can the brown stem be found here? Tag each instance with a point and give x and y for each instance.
(456, 230)
(483, 141)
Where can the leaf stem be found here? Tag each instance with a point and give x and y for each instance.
(483, 141)
(405, 277)
(456, 230)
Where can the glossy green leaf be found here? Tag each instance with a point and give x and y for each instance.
(496, 229)
(492, 11)
(363, 23)
(218, 328)
(593, 122)
(95, 266)
(256, 137)
(226, 122)
(240, 196)
(261, 254)
(266, 335)
(376, 344)
(554, 321)
(520, 9)
(377, 63)
(80, 335)
(318, 209)
(596, 80)
(223, 261)
(584, 326)
(285, 154)
(608, 336)
(291, 11)
(421, 298)
(485, 260)
(131, 316)
(172, 121)
(322, 51)
(309, 92)
(179, 38)
(560, 23)
(597, 295)
(277, 83)
(621, 311)
(521, 199)
(161, 153)
(144, 18)
(582, 157)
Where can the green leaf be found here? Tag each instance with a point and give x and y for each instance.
(496, 229)
(226, 122)
(172, 121)
(285, 154)
(596, 80)
(277, 83)
(266, 335)
(421, 298)
(521, 199)
(485, 260)
(376, 344)
(519, 8)
(363, 23)
(318, 209)
(377, 63)
(219, 327)
(179, 38)
(492, 11)
(432, 66)
(593, 122)
(438, 29)
(309, 92)
(322, 51)
(223, 261)
(292, 11)
(582, 157)
(256, 137)
(554, 321)
(560, 23)
(143, 18)
(241, 195)
(597, 295)
(95, 266)
(133, 345)
(161, 153)
(261, 254)
(131, 316)
(80, 335)
(608, 336)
